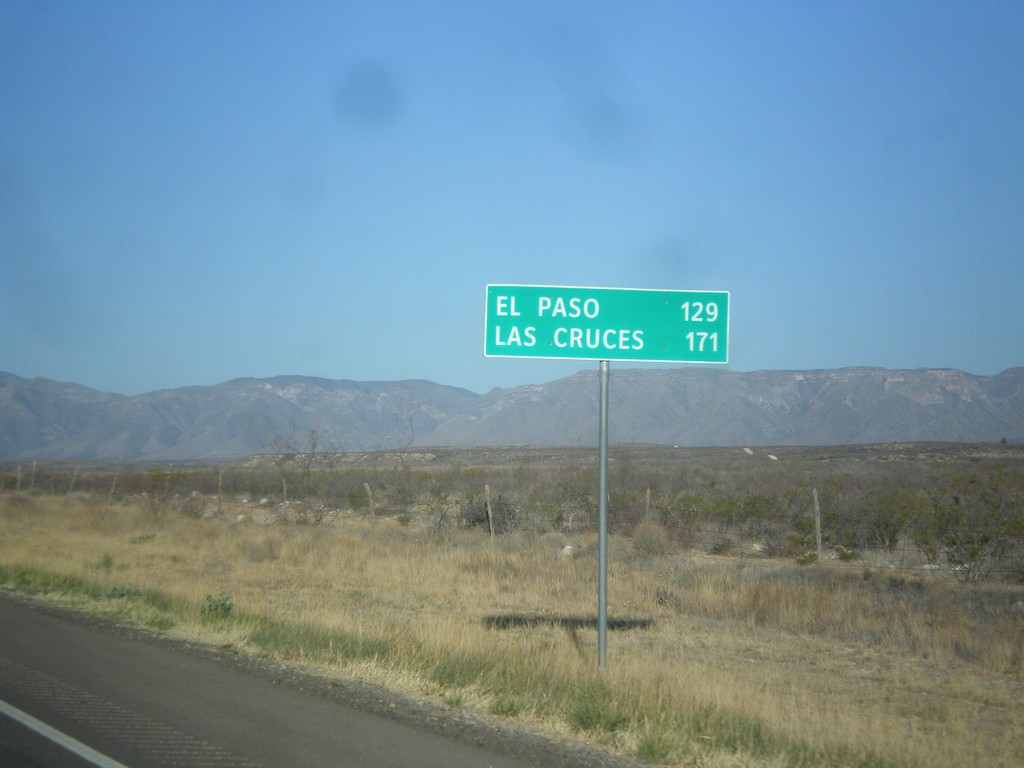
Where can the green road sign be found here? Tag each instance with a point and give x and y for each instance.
(565, 322)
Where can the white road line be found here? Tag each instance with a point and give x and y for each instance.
(57, 737)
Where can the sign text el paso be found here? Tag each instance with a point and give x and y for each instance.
(607, 324)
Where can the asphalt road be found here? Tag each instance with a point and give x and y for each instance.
(145, 702)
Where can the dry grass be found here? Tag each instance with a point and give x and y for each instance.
(760, 664)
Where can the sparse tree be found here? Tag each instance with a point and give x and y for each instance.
(315, 463)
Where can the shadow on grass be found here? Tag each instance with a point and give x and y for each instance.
(571, 624)
(517, 620)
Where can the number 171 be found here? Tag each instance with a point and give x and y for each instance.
(700, 339)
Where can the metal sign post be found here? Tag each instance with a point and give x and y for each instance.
(602, 520)
(639, 325)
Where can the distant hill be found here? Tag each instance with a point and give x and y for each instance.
(43, 419)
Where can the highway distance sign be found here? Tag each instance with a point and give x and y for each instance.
(639, 325)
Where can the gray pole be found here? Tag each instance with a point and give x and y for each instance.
(602, 522)
(817, 524)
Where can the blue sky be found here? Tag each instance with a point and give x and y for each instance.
(196, 191)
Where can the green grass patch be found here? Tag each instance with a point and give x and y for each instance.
(30, 581)
(657, 746)
(308, 642)
(123, 591)
(119, 602)
(459, 670)
(454, 700)
(506, 706)
(593, 710)
(160, 622)
(164, 603)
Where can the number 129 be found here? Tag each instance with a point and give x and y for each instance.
(699, 312)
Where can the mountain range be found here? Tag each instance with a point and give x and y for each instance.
(45, 419)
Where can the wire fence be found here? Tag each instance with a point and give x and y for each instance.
(964, 523)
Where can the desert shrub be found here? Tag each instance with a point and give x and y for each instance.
(888, 514)
(681, 513)
(216, 607)
(651, 539)
(757, 512)
(396, 489)
(722, 546)
(573, 491)
(192, 505)
(853, 516)
(506, 516)
(681, 538)
(724, 511)
(443, 508)
(841, 503)
(313, 511)
(161, 489)
(359, 498)
(846, 554)
(977, 521)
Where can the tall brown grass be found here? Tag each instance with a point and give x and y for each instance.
(753, 663)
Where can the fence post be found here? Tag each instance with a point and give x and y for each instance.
(817, 523)
(487, 506)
